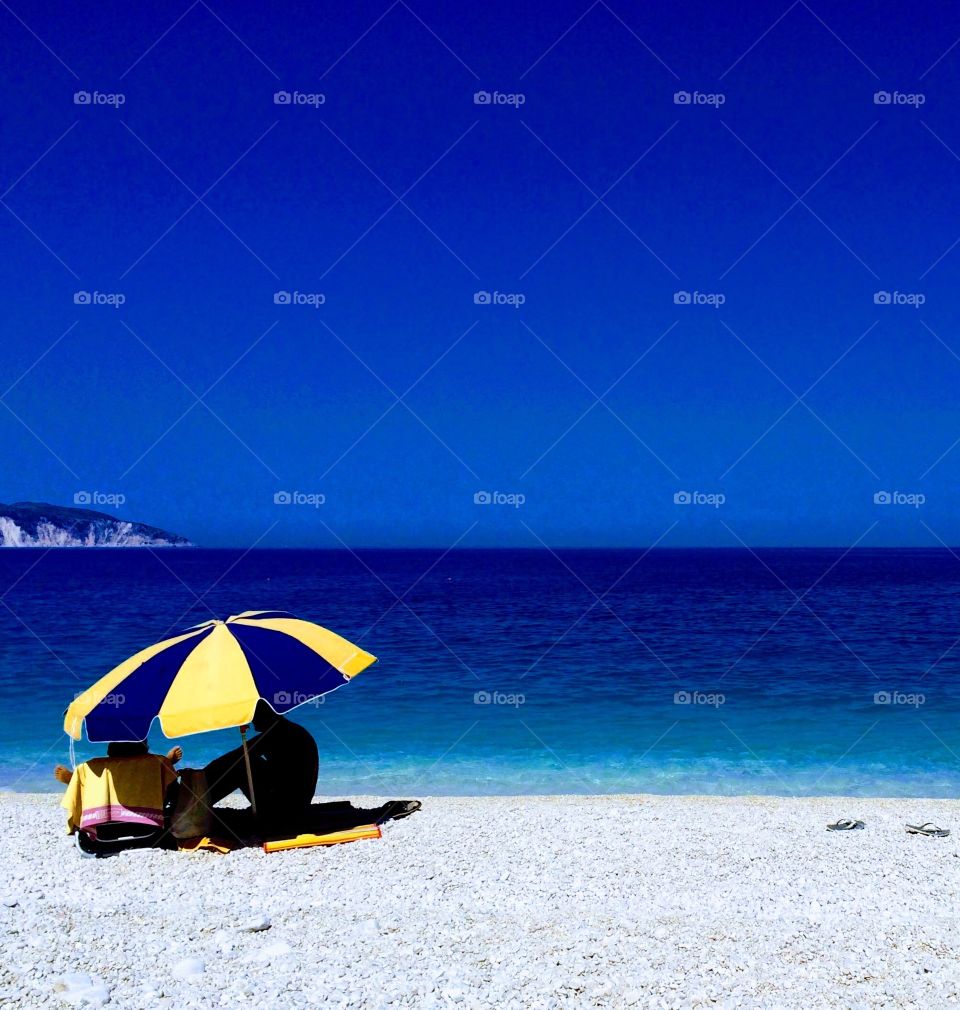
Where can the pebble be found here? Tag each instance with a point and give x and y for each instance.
(272, 952)
(189, 967)
(81, 990)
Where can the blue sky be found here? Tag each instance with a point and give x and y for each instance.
(596, 196)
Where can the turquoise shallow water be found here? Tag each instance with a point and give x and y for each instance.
(685, 671)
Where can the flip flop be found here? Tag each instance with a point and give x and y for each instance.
(396, 810)
(928, 828)
(845, 824)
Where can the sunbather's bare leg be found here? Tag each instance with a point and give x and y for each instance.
(174, 754)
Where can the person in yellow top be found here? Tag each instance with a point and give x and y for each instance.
(122, 793)
(63, 774)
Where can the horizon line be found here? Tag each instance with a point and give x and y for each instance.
(489, 547)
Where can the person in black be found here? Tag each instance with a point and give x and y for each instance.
(284, 764)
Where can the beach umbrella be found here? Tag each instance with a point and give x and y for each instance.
(212, 676)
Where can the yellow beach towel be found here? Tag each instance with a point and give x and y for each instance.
(207, 844)
(127, 790)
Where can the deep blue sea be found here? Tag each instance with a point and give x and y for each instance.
(794, 672)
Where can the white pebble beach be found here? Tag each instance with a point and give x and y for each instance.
(526, 902)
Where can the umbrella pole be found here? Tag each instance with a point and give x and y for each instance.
(246, 758)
